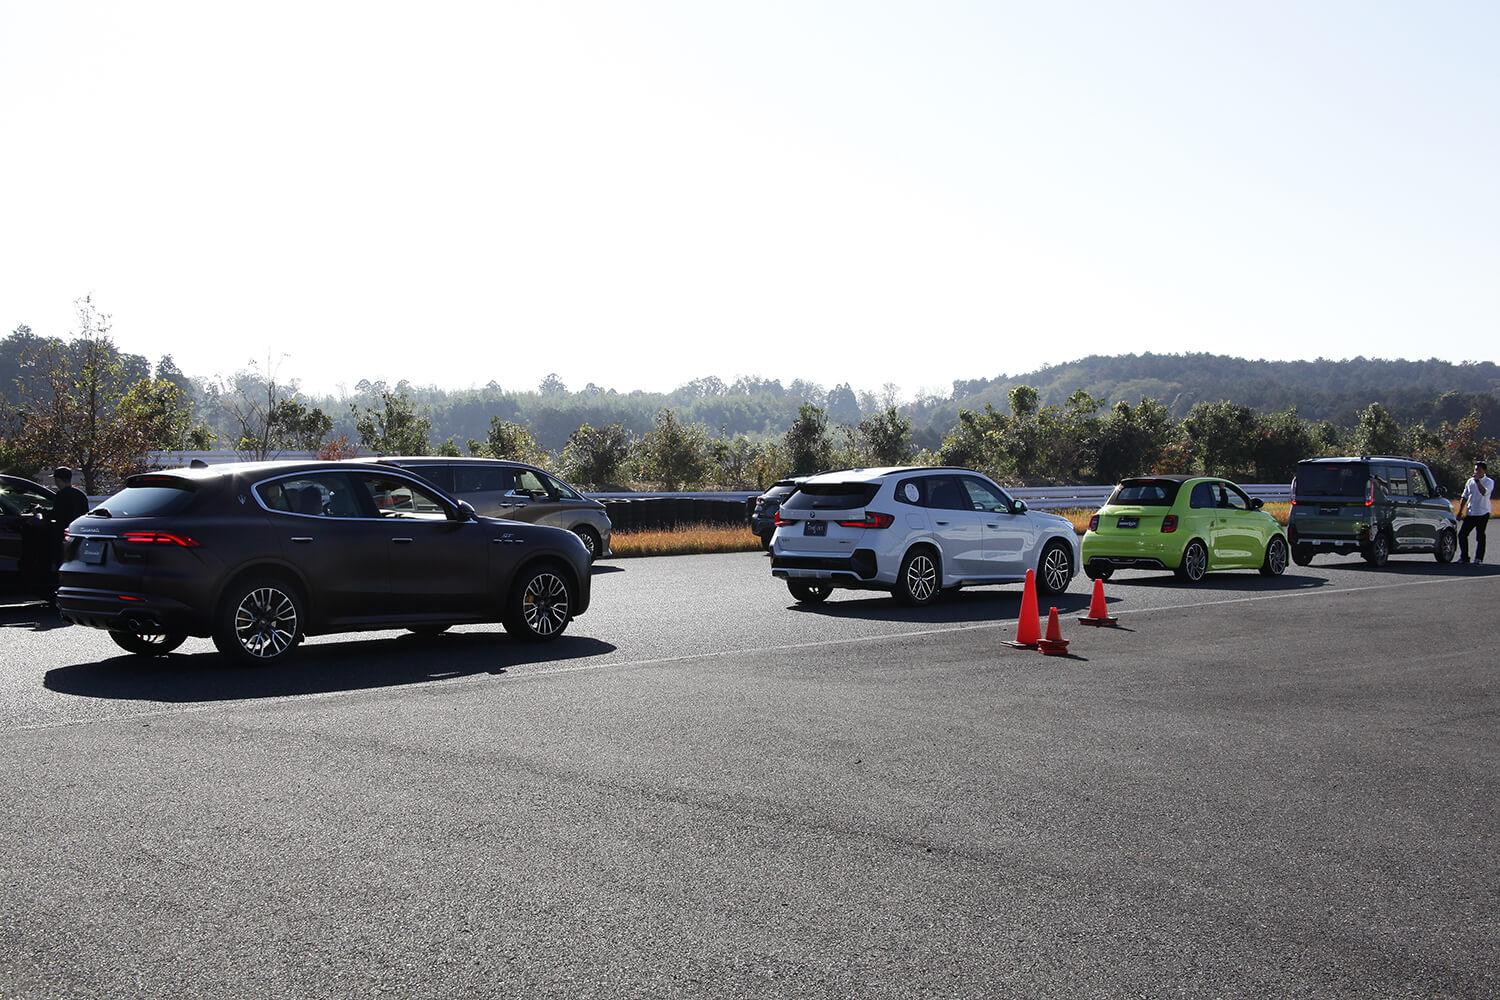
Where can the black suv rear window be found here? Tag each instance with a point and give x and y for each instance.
(149, 501)
(1332, 479)
(1145, 492)
(832, 496)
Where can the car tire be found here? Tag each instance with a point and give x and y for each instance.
(591, 540)
(1194, 563)
(804, 592)
(1098, 573)
(259, 622)
(1378, 552)
(1447, 545)
(1054, 570)
(147, 643)
(540, 604)
(921, 578)
(1276, 557)
(1302, 555)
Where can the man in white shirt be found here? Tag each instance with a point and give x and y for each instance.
(1474, 508)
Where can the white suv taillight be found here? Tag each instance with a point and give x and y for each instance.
(872, 519)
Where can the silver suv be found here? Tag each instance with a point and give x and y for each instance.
(515, 491)
(915, 532)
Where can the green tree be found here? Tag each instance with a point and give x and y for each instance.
(393, 428)
(1222, 435)
(977, 441)
(1133, 440)
(297, 427)
(511, 441)
(1281, 441)
(887, 436)
(69, 409)
(1378, 433)
(674, 454)
(808, 446)
(593, 455)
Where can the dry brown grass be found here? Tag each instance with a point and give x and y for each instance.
(687, 539)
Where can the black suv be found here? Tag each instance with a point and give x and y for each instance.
(1376, 506)
(259, 555)
(764, 507)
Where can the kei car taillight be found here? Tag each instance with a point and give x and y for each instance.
(1094, 523)
(1370, 492)
(872, 519)
(158, 538)
(1169, 524)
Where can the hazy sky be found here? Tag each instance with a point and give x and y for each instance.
(636, 194)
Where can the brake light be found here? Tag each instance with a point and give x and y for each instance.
(1094, 523)
(1169, 524)
(872, 519)
(778, 521)
(1294, 491)
(1370, 493)
(158, 538)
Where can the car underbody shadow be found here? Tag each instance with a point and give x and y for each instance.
(322, 668)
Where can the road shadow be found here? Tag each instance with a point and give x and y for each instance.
(1225, 581)
(970, 606)
(358, 664)
(29, 613)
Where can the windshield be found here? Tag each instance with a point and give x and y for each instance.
(832, 496)
(1332, 479)
(146, 501)
(1145, 492)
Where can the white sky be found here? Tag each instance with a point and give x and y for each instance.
(637, 194)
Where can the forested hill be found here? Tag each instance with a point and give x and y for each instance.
(1320, 390)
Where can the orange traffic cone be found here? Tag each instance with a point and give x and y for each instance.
(1054, 644)
(1028, 626)
(1098, 610)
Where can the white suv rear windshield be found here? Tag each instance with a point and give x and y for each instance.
(832, 496)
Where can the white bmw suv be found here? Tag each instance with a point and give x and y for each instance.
(915, 532)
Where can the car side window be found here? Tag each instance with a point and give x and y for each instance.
(984, 497)
(1394, 481)
(912, 491)
(1421, 486)
(944, 493)
(402, 498)
(482, 479)
(1203, 496)
(23, 500)
(1235, 499)
(560, 489)
(530, 483)
(330, 494)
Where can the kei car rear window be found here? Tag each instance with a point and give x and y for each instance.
(1146, 492)
(148, 501)
(832, 496)
(1332, 479)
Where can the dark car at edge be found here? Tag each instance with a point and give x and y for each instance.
(257, 556)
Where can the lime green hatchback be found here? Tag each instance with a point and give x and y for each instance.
(1187, 524)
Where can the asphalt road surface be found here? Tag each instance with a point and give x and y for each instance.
(1249, 788)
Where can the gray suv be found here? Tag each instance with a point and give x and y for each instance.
(514, 491)
(1376, 506)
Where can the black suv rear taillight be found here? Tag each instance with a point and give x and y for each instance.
(158, 538)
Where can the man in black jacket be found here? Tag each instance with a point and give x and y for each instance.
(69, 503)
